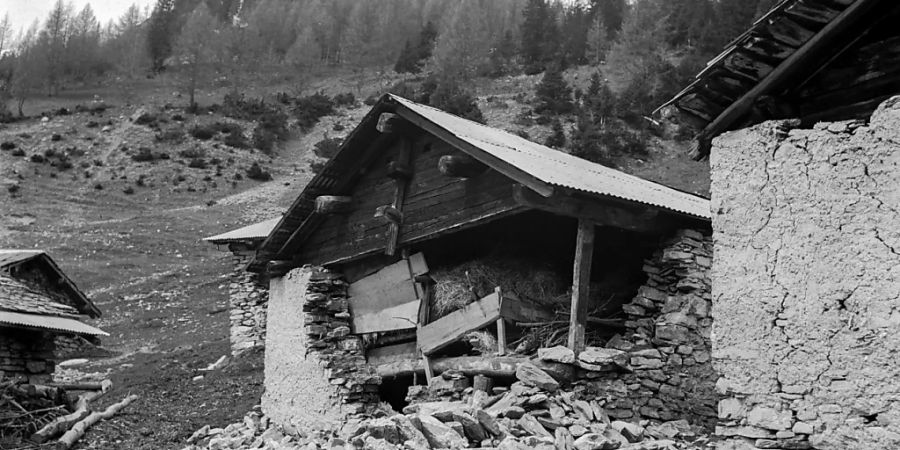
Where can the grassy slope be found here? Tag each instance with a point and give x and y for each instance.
(164, 291)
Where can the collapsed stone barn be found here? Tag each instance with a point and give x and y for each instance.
(430, 243)
(805, 198)
(248, 293)
(42, 315)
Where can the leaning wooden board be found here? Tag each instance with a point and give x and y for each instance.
(387, 300)
(452, 327)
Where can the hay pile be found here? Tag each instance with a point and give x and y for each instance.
(455, 287)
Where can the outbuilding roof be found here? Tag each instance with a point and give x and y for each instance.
(810, 59)
(255, 232)
(20, 306)
(535, 166)
(10, 258)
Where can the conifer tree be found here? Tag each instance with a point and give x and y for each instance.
(554, 96)
(159, 33)
(539, 36)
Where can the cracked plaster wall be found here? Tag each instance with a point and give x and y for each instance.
(806, 283)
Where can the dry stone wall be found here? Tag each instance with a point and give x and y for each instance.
(806, 284)
(316, 374)
(668, 339)
(26, 353)
(247, 302)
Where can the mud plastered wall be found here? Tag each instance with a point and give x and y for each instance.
(806, 283)
(316, 377)
(248, 299)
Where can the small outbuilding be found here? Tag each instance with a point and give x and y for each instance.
(248, 293)
(429, 238)
(42, 315)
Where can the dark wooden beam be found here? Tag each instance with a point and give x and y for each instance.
(460, 166)
(581, 283)
(333, 204)
(485, 157)
(389, 213)
(402, 174)
(798, 61)
(606, 214)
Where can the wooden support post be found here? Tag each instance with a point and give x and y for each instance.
(581, 282)
(501, 326)
(429, 372)
(501, 337)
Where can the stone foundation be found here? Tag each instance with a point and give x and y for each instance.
(247, 303)
(668, 340)
(68, 346)
(26, 353)
(806, 284)
(316, 374)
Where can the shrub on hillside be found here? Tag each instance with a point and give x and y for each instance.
(239, 107)
(451, 97)
(236, 139)
(203, 132)
(197, 163)
(37, 158)
(328, 147)
(144, 154)
(7, 145)
(18, 152)
(171, 135)
(271, 128)
(308, 110)
(255, 172)
(193, 152)
(345, 99)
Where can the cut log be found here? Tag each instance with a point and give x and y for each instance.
(77, 431)
(389, 123)
(82, 409)
(332, 204)
(461, 166)
(494, 367)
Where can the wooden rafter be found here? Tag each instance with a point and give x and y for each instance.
(798, 61)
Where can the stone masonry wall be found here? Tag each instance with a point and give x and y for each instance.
(316, 376)
(668, 338)
(26, 353)
(247, 303)
(806, 284)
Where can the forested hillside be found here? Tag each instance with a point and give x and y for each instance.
(640, 52)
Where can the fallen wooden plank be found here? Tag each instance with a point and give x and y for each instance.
(450, 328)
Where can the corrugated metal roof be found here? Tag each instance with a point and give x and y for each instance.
(257, 231)
(557, 168)
(8, 257)
(62, 324)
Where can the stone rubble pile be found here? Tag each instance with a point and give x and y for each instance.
(533, 413)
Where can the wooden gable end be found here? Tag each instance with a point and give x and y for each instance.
(433, 204)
